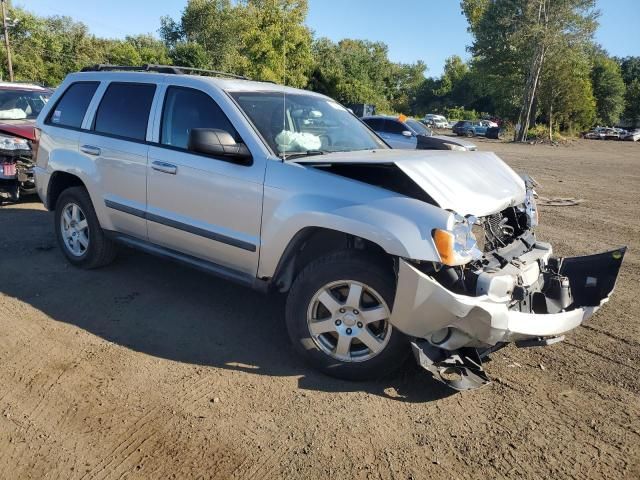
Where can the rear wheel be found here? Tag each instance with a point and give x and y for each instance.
(338, 317)
(78, 231)
(469, 133)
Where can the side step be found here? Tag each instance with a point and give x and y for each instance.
(461, 370)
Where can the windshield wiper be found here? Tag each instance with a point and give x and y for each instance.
(308, 153)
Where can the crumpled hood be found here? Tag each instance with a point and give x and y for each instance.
(469, 183)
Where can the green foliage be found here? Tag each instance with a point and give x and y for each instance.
(576, 83)
(514, 39)
(565, 96)
(608, 90)
(632, 110)
(459, 113)
(629, 68)
(359, 71)
(46, 49)
(262, 39)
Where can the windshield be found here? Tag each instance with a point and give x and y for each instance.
(418, 128)
(304, 124)
(22, 104)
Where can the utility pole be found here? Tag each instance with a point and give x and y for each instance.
(6, 40)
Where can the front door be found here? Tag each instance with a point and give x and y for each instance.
(203, 206)
(393, 134)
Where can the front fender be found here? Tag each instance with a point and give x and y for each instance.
(298, 197)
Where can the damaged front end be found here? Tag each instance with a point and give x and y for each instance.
(16, 168)
(515, 291)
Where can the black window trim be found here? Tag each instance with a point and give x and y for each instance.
(53, 108)
(186, 150)
(93, 130)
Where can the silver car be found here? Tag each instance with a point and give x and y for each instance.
(380, 252)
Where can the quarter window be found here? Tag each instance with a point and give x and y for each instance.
(185, 109)
(124, 110)
(72, 106)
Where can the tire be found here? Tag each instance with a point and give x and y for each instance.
(469, 133)
(342, 271)
(99, 250)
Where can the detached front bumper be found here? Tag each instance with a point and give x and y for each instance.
(427, 310)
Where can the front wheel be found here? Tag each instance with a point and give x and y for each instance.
(338, 317)
(469, 133)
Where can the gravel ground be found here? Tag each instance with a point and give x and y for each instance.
(145, 369)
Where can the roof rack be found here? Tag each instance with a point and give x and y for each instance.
(171, 69)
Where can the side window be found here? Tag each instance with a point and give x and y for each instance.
(375, 123)
(392, 126)
(70, 109)
(187, 108)
(124, 110)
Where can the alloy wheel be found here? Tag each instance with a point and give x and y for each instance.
(74, 229)
(349, 321)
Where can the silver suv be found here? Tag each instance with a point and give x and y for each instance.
(380, 252)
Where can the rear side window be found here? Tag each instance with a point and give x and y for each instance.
(375, 123)
(185, 109)
(70, 109)
(124, 110)
(391, 126)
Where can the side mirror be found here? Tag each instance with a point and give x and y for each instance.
(407, 133)
(218, 143)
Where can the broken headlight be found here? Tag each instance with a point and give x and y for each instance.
(13, 143)
(457, 245)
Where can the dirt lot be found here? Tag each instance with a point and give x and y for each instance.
(149, 370)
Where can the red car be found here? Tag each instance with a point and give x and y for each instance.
(20, 104)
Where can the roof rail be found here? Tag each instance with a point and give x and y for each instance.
(172, 69)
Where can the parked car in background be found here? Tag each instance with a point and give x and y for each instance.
(435, 121)
(633, 135)
(469, 128)
(489, 123)
(20, 104)
(408, 133)
(605, 133)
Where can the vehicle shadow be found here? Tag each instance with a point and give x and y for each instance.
(170, 311)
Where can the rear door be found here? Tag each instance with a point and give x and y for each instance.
(204, 206)
(117, 145)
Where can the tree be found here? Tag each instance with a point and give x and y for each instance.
(263, 39)
(405, 82)
(608, 89)
(352, 71)
(632, 109)
(629, 68)
(513, 39)
(565, 93)
(359, 71)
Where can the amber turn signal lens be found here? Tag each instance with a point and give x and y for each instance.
(444, 245)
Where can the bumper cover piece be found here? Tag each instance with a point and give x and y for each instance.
(423, 306)
(461, 370)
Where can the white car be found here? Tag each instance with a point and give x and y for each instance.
(437, 121)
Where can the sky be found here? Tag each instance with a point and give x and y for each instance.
(427, 30)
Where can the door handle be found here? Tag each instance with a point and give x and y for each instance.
(90, 150)
(164, 167)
